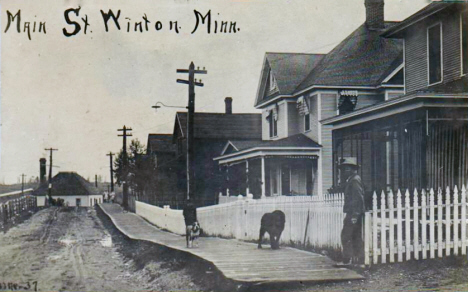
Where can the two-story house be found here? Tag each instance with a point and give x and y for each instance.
(297, 91)
(418, 140)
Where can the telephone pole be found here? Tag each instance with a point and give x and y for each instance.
(111, 171)
(50, 173)
(22, 182)
(125, 164)
(192, 82)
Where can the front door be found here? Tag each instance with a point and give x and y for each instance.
(78, 202)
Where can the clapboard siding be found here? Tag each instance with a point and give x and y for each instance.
(314, 119)
(329, 106)
(416, 70)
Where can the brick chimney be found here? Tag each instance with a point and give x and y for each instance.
(42, 170)
(228, 103)
(374, 14)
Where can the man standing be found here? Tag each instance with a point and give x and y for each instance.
(351, 235)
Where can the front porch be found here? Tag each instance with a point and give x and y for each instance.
(265, 170)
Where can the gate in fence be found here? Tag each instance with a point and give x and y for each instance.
(416, 226)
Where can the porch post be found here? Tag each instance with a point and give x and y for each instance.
(227, 180)
(263, 177)
(247, 176)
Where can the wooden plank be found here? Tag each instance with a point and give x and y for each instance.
(244, 262)
(383, 232)
(456, 221)
(399, 228)
(391, 232)
(423, 225)
(374, 228)
(447, 222)
(431, 225)
(407, 226)
(440, 223)
(463, 221)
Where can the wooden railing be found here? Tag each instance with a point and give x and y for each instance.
(16, 207)
(416, 226)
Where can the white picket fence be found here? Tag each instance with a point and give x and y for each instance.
(426, 225)
(316, 221)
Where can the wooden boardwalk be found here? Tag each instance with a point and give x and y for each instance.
(237, 260)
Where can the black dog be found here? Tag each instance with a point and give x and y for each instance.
(273, 223)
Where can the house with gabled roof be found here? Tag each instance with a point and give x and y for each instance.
(72, 188)
(211, 133)
(420, 139)
(297, 91)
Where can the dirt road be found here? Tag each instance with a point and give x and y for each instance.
(71, 250)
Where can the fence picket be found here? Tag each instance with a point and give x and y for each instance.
(431, 224)
(456, 221)
(391, 233)
(440, 223)
(463, 220)
(447, 221)
(415, 225)
(407, 226)
(367, 219)
(399, 228)
(374, 228)
(423, 225)
(383, 232)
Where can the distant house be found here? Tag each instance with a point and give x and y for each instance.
(418, 140)
(296, 92)
(164, 188)
(72, 188)
(211, 133)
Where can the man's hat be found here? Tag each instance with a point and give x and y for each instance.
(352, 161)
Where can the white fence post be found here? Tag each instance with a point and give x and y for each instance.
(391, 231)
(440, 223)
(399, 228)
(431, 224)
(383, 232)
(463, 219)
(456, 221)
(367, 238)
(407, 226)
(375, 254)
(423, 225)
(415, 225)
(448, 221)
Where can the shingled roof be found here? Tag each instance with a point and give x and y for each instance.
(362, 59)
(160, 143)
(68, 184)
(221, 126)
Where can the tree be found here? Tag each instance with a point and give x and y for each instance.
(140, 168)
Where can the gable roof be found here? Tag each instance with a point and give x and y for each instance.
(68, 184)
(362, 59)
(221, 126)
(160, 143)
(289, 69)
(421, 14)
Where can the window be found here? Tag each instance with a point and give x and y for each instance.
(272, 82)
(464, 41)
(273, 123)
(307, 122)
(434, 52)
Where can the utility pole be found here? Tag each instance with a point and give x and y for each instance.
(50, 173)
(192, 82)
(22, 182)
(111, 171)
(95, 180)
(125, 164)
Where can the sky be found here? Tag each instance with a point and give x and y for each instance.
(73, 93)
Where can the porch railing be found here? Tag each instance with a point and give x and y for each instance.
(421, 225)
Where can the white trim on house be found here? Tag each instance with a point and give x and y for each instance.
(262, 153)
(387, 92)
(396, 110)
(441, 54)
(227, 145)
(391, 75)
(461, 42)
